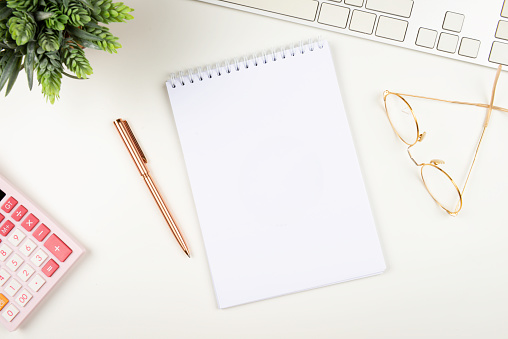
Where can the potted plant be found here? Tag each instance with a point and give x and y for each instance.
(48, 37)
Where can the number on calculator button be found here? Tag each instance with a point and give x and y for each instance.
(39, 257)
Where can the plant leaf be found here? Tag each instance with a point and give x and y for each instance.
(65, 3)
(86, 3)
(73, 76)
(87, 44)
(6, 73)
(82, 34)
(5, 12)
(29, 63)
(40, 16)
(14, 74)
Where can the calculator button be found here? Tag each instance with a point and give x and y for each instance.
(27, 248)
(26, 272)
(36, 283)
(30, 222)
(16, 237)
(3, 301)
(58, 248)
(39, 258)
(9, 205)
(19, 213)
(23, 298)
(4, 276)
(50, 268)
(12, 287)
(5, 251)
(6, 228)
(10, 312)
(14, 262)
(1, 217)
(41, 232)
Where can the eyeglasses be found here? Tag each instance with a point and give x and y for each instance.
(440, 185)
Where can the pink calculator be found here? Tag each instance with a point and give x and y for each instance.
(35, 252)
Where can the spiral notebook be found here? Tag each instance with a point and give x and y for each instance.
(274, 175)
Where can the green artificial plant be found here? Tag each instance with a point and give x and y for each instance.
(48, 37)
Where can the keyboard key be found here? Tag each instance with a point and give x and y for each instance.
(453, 21)
(6, 227)
(447, 42)
(362, 22)
(396, 7)
(19, 213)
(50, 268)
(10, 312)
(30, 222)
(5, 251)
(41, 232)
(36, 283)
(502, 30)
(333, 15)
(27, 248)
(16, 237)
(499, 53)
(301, 9)
(39, 258)
(23, 298)
(469, 47)
(3, 301)
(358, 3)
(26, 272)
(14, 262)
(391, 28)
(504, 12)
(12, 287)
(9, 205)
(4, 276)
(58, 248)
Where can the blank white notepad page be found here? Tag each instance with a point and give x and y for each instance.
(275, 178)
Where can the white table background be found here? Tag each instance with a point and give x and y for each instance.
(446, 276)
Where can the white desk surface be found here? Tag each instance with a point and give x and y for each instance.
(446, 276)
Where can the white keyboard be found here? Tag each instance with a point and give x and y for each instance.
(475, 31)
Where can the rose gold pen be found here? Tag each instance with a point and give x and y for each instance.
(140, 160)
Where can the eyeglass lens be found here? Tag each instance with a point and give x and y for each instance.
(401, 118)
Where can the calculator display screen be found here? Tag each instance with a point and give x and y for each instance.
(2, 195)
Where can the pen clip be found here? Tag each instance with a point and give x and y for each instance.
(134, 141)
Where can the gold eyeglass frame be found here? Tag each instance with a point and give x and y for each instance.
(419, 137)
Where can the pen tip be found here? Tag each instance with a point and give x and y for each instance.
(188, 254)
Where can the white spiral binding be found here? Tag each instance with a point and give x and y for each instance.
(236, 65)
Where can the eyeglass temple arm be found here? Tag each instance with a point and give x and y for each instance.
(485, 124)
(489, 106)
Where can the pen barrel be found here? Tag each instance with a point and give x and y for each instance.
(165, 212)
